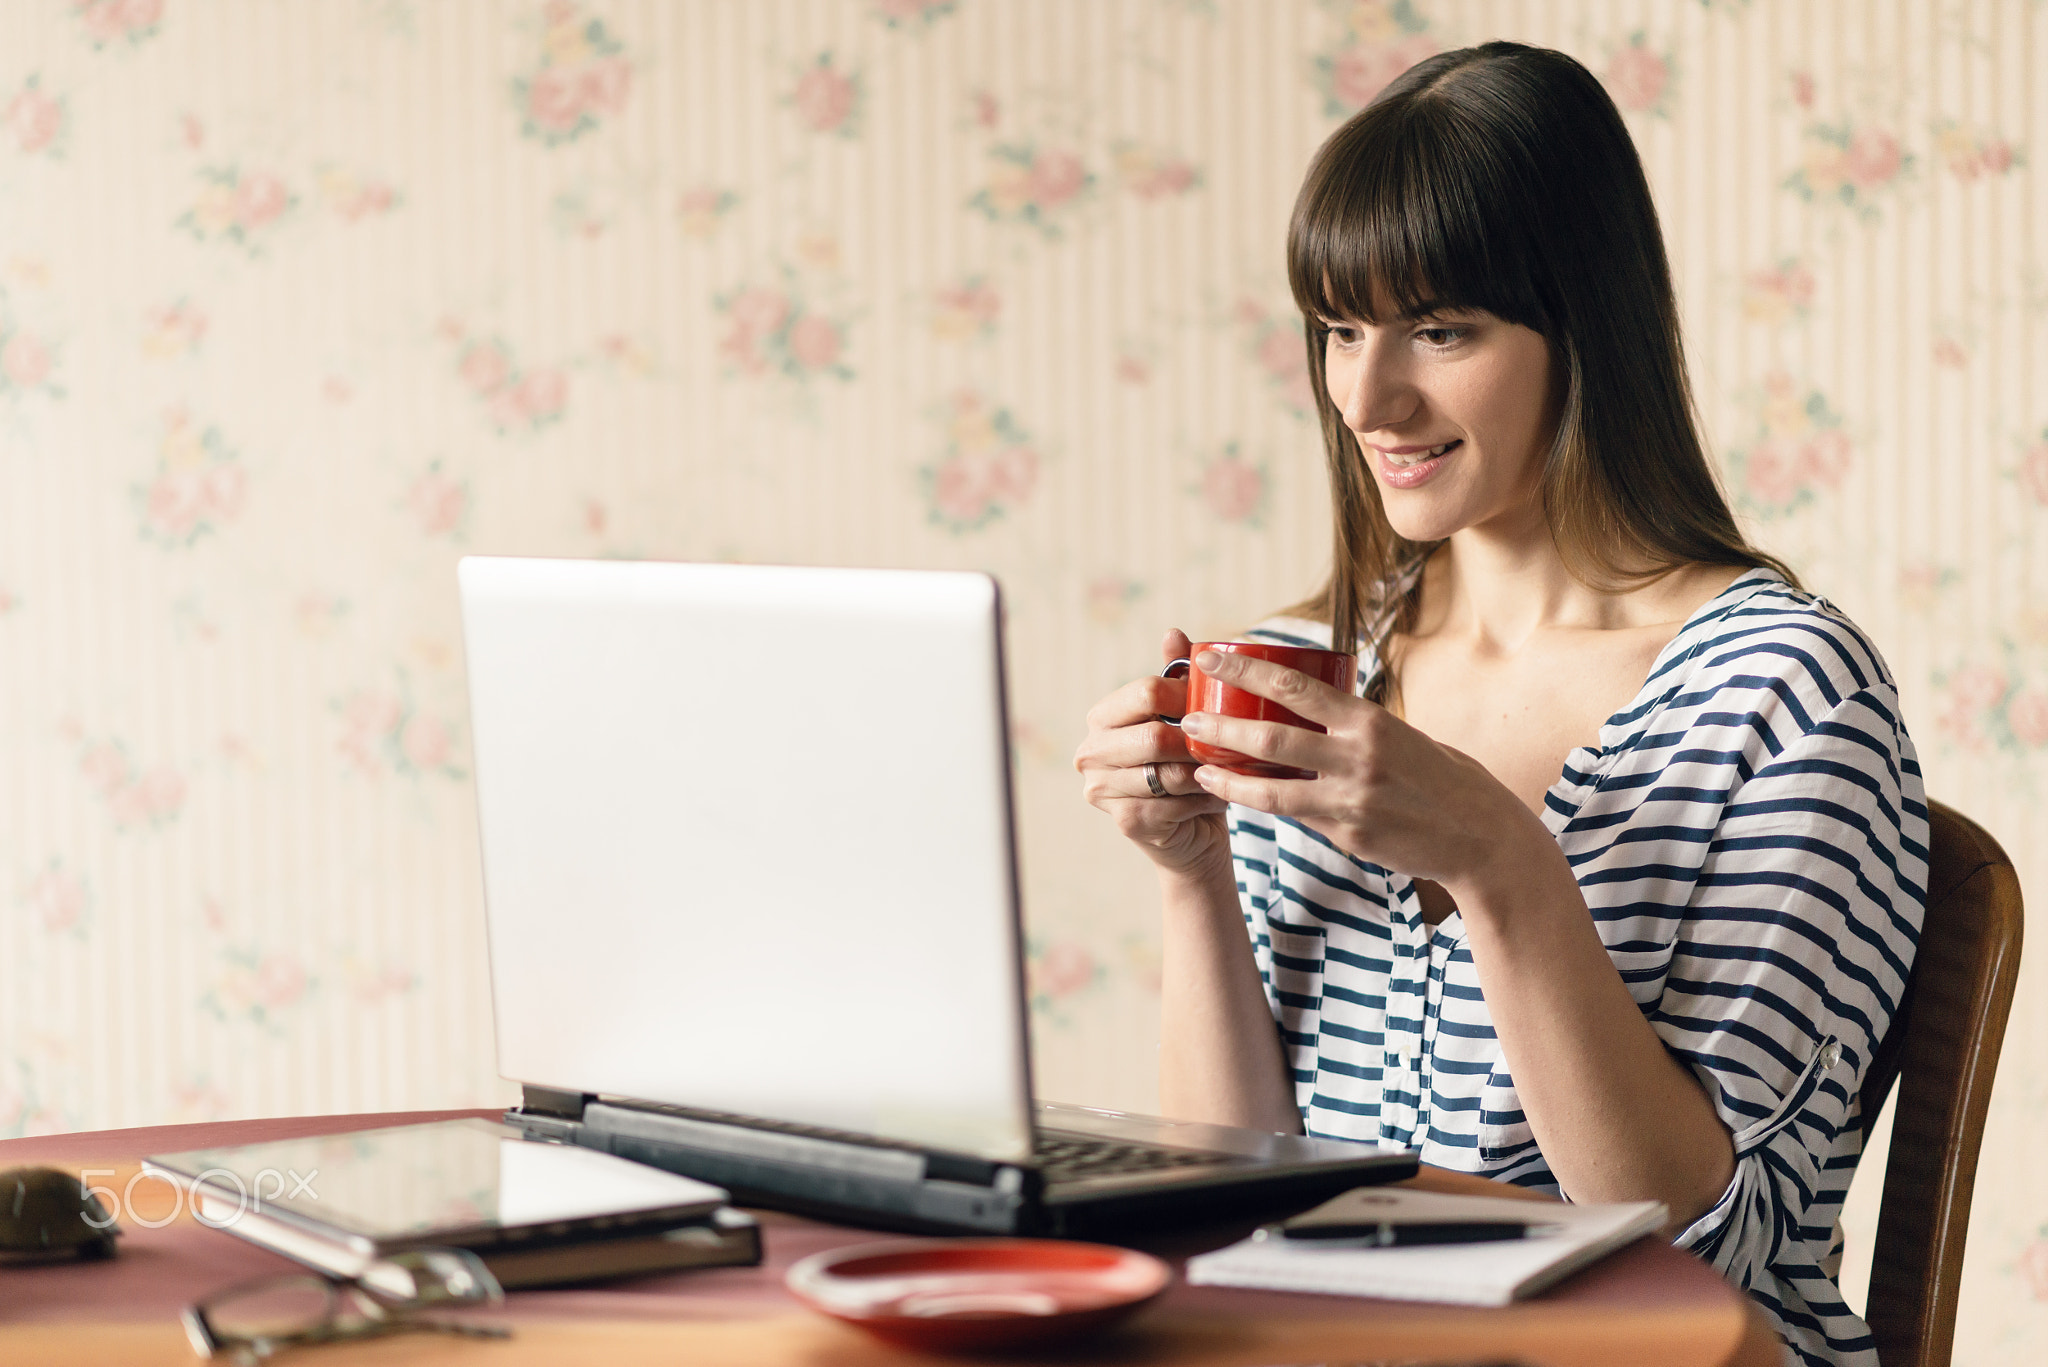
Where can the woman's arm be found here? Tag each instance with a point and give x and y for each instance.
(1219, 1053)
(1617, 1117)
(1219, 1049)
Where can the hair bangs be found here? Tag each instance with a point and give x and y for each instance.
(1400, 217)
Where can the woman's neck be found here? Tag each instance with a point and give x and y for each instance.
(1498, 592)
(1501, 593)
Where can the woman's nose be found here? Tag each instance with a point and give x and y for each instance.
(1376, 392)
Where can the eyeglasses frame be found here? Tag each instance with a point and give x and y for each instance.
(378, 1312)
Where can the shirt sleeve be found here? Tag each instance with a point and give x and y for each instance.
(1788, 964)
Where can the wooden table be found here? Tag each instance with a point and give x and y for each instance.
(1648, 1303)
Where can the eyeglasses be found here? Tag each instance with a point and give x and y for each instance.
(247, 1324)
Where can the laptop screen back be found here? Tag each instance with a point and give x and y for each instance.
(747, 844)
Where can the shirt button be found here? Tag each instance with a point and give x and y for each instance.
(1830, 1054)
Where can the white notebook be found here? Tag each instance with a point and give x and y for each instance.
(1492, 1273)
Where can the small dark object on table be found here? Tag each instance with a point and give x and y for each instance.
(47, 1216)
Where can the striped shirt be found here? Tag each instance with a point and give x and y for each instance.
(1751, 837)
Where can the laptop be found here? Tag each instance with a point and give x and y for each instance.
(750, 875)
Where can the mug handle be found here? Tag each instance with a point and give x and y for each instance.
(1179, 669)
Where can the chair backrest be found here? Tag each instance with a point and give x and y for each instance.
(1943, 1049)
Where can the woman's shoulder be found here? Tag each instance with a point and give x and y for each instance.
(1785, 647)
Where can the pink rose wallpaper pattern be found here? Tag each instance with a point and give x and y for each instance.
(1797, 451)
(579, 75)
(513, 398)
(989, 465)
(299, 304)
(34, 119)
(826, 99)
(774, 330)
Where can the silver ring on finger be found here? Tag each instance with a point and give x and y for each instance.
(1152, 781)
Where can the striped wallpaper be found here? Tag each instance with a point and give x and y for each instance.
(299, 302)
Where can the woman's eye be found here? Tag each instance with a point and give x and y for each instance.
(1441, 337)
(1342, 335)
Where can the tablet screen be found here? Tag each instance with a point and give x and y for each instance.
(413, 1180)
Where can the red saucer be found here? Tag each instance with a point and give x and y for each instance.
(960, 1295)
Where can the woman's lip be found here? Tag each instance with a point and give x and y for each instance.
(1409, 476)
(1411, 450)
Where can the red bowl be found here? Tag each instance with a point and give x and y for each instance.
(964, 1295)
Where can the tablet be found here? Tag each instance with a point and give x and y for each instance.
(470, 1184)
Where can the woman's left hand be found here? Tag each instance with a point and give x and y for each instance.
(1383, 791)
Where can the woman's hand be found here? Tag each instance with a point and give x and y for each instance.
(1182, 831)
(1383, 791)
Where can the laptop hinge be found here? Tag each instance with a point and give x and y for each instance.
(550, 1102)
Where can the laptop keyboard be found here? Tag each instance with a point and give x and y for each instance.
(1061, 1155)
(1064, 1156)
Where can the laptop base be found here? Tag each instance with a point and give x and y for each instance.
(1245, 1174)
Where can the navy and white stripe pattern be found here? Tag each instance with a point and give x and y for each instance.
(1751, 837)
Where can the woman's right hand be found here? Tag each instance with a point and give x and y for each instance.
(1182, 832)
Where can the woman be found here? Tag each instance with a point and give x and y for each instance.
(1609, 883)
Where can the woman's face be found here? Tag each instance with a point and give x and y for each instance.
(1454, 410)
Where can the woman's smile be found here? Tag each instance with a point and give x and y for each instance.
(1404, 467)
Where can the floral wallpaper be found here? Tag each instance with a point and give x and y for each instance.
(300, 302)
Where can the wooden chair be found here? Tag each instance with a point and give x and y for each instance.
(1943, 1049)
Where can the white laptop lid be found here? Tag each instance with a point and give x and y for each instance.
(747, 843)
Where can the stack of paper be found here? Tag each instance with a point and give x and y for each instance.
(1492, 1273)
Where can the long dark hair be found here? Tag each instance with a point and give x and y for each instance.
(1502, 178)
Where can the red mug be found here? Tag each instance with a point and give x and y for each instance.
(1338, 670)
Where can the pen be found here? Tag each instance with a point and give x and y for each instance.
(1395, 1234)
